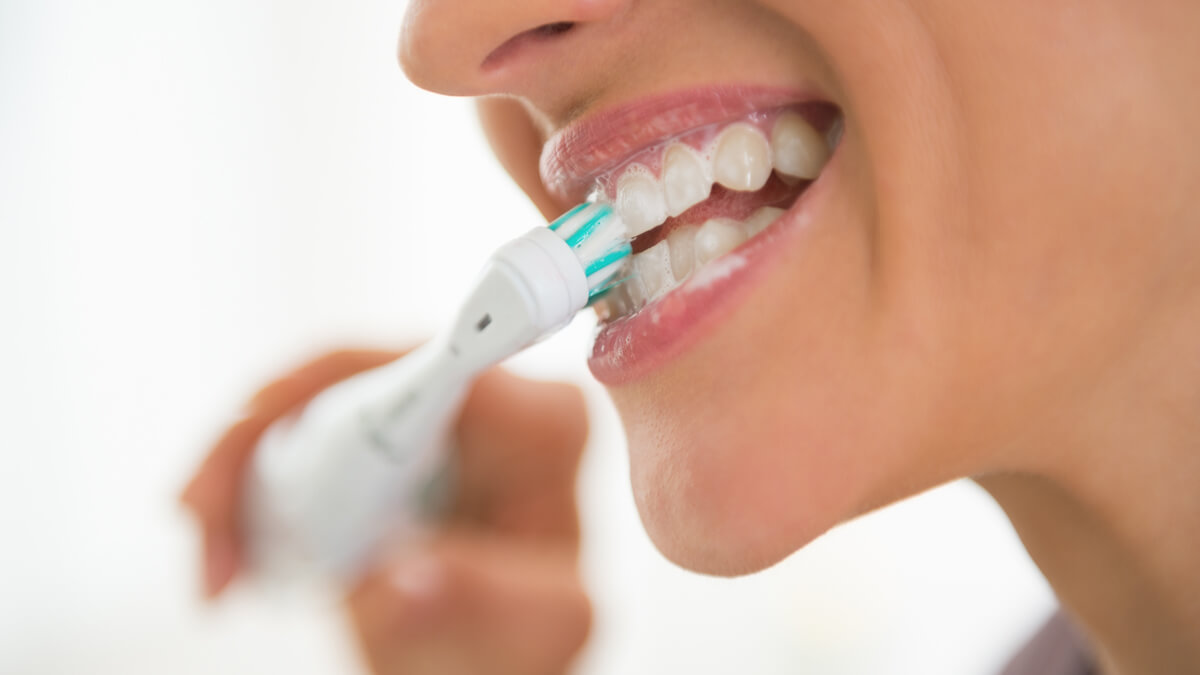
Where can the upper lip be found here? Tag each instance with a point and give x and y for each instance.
(577, 154)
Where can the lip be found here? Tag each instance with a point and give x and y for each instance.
(631, 347)
(573, 158)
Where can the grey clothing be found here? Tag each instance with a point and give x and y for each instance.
(1058, 648)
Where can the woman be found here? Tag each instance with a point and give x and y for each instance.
(996, 275)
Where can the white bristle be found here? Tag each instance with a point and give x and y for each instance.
(599, 239)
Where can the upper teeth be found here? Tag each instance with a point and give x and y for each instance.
(739, 158)
(687, 178)
(640, 200)
(797, 148)
(743, 158)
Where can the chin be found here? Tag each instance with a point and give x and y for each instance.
(726, 497)
(707, 513)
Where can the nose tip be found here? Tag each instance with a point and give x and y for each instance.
(451, 46)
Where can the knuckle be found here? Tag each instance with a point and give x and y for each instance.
(570, 427)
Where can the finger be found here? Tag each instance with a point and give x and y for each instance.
(469, 604)
(213, 495)
(211, 492)
(520, 442)
(222, 556)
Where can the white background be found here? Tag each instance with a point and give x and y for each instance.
(196, 195)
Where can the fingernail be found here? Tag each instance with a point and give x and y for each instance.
(419, 577)
(187, 498)
(220, 563)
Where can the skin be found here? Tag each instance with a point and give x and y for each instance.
(1003, 285)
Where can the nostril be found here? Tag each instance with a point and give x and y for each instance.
(542, 33)
(552, 29)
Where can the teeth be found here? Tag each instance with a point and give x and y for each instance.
(742, 160)
(717, 237)
(606, 308)
(798, 149)
(685, 180)
(682, 242)
(760, 219)
(653, 267)
(634, 290)
(640, 201)
(666, 265)
(834, 136)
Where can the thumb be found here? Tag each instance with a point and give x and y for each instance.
(515, 417)
(468, 603)
(519, 443)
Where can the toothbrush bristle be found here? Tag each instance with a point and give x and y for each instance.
(600, 240)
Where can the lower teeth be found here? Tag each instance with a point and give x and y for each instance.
(668, 264)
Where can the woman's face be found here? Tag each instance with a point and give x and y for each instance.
(995, 220)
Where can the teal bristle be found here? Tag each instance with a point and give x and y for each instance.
(601, 271)
(600, 291)
(585, 231)
(613, 256)
(596, 234)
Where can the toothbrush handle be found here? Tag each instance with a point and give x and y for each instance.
(358, 465)
(325, 488)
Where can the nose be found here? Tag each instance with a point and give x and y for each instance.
(475, 47)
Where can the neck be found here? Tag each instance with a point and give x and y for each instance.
(1107, 497)
(1111, 514)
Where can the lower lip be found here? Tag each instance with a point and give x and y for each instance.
(633, 347)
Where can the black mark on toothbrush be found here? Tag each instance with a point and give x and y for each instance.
(483, 323)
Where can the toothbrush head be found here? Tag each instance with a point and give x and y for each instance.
(600, 239)
(535, 284)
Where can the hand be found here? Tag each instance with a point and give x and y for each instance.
(496, 589)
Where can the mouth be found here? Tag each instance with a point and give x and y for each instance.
(703, 181)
